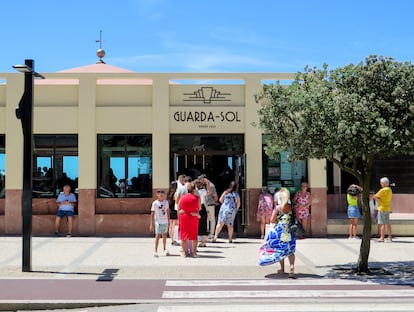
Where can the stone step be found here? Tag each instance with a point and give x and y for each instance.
(402, 224)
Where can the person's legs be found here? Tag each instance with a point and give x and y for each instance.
(70, 225)
(211, 219)
(381, 231)
(195, 247)
(184, 247)
(157, 239)
(282, 266)
(350, 228)
(262, 226)
(171, 230)
(389, 231)
(292, 266)
(164, 241)
(230, 231)
(304, 223)
(219, 227)
(203, 240)
(57, 224)
(354, 225)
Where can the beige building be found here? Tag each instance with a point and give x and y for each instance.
(117, 135)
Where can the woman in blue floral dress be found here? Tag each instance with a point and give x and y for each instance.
(280, 243)
(230, 204)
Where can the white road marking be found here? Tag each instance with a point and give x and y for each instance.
(297, 306)
(275, 282)
(287, 294)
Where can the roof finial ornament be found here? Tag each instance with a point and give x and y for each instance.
(100, 52)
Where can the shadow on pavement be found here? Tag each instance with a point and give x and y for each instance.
(385, 273)
(297, 275)
(106, 275)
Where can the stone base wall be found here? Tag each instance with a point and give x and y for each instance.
(131, 216)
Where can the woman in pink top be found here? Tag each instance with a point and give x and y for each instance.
(302, 204)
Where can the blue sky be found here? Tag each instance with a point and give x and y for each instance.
(204, 36)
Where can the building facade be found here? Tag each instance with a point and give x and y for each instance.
(116, 136)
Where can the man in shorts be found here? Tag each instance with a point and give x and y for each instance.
(66, 202)
(384, 196)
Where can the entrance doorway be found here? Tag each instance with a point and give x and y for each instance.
(194, 155)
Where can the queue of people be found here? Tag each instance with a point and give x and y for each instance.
(191, 214)
(184, 210)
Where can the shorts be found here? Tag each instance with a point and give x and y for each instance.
(64, 213)
(161, 228)
(173, 214)
(383, 217)
(353, 212)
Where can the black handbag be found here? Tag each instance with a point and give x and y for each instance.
(295, 227)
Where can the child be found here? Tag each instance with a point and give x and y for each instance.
(353, 209)
(373, 208)
(160, 218)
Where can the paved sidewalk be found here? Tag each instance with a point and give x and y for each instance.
(121, 259)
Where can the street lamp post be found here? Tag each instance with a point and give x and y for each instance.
(25, 113)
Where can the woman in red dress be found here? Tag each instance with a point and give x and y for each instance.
(189, 206)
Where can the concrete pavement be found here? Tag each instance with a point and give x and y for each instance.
(74, 266)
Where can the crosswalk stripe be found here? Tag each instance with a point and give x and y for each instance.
(297, 306)
(200, 283)
(286, 294)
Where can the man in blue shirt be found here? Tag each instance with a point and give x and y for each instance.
(66, 202)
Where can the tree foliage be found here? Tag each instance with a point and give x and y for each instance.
(349, 115)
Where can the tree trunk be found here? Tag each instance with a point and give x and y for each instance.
(362, 266)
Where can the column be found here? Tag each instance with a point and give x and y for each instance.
(160, 133)
(318, 185)
(87, 155)
(253, 150)
(14, 156)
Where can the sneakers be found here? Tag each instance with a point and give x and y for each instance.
(156, 255)
(69, 235)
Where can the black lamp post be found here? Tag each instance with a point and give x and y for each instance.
(25, 113)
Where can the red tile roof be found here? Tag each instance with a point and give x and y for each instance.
(96, 68)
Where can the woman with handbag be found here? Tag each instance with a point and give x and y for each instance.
(280, 242)
(302, 203)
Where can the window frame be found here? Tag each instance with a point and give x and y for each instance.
(119, 182)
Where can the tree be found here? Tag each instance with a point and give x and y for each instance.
(350, 116)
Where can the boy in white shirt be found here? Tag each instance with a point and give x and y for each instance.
(160, 218)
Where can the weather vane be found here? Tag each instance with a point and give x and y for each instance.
(101, 52)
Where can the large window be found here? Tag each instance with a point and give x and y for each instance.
(280, 172)
(2, 166)
(124, 166)
(399, 169)
(55, 163)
